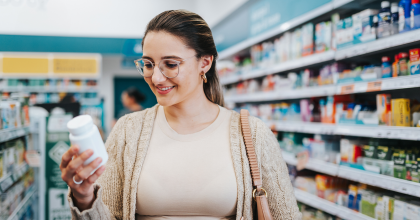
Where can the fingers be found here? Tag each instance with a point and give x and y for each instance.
(76, 164)
(68, 155)
(92, 179)
(86, 171)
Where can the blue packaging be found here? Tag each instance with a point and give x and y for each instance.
(386, 67)
(415, 14)
(405, 15)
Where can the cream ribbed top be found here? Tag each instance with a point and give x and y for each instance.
(188, 176)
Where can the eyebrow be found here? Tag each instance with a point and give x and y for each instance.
(165, 57)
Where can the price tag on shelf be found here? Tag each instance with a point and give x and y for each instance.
(347, 89)
(374, 86)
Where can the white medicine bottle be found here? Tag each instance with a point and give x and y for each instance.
(85, 135)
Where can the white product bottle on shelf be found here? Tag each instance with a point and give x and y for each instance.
(85, 135)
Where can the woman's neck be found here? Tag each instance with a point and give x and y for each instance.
(192, 115)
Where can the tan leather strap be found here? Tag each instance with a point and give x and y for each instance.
(250, 150)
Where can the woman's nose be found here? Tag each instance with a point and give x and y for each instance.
(157, 76)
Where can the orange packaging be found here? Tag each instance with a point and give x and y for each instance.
(383, 104)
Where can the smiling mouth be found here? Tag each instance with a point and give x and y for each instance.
(165, 88)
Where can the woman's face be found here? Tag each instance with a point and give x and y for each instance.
(188, 84)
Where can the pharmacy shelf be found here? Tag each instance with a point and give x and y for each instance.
(286, 26)
(403, 82)
(12, 133)
(390, 132)
(373, 179)
(281, 67)
(329, 207)
(283, 94)
(7, 181)
(21, 208)
(313, 164)
(382, 181)
(46, 90)
(380, 45)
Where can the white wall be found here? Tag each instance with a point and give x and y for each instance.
(99, 18)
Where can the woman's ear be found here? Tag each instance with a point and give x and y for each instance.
(206, 62)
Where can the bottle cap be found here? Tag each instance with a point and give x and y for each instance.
(385, 59)
(396, 57)
(375, 19)
(415, 1)
(80, 124)
(385, 4)
(402, 55)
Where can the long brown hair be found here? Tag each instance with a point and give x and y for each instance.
(196, 33)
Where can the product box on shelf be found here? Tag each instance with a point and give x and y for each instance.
(307, 39)
(401, 115)
(323, 37)
(415, 61)
(345, 33)
(383, 105)
(363, 30)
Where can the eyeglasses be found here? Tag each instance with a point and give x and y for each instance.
(168, 67)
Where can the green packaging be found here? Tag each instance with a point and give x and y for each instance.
(370, 150)
(399, 164)
(385, 149)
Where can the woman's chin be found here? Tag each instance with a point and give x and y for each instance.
(165, 102)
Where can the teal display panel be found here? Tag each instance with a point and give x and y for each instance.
(123, 83)
(257, 17)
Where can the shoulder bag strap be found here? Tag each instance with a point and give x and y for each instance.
(259, 194)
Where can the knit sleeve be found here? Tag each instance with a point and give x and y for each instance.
(275, 176)
(108, 204)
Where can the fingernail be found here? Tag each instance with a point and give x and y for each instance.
(90, 152)
(99, 160)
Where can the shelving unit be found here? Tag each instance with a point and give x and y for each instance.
(329, 7)
(7, 181)
(12, 133)
(328, 206)
(380, 45)
(373, 179)
(356, 53)
(390, 132)
(281, 67)
(21, 208)
(403, 82)
(47, 90)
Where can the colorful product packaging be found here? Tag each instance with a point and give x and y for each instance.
(401, 115)
(323, 37)
(415, 61)
(363, 30)
(403, 64)
(383, 104)
(307, 39)
(345, 33)
(400, 170)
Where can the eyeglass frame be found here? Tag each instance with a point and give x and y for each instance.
(177, 61)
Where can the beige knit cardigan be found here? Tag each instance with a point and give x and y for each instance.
(127, 146)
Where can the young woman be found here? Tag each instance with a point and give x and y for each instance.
(184, 158)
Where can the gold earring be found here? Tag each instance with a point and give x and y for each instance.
(204, 77)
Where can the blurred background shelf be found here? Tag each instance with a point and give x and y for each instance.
(328, 206)
(390, 132)
(12, 133)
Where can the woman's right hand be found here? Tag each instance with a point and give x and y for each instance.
(72, 166)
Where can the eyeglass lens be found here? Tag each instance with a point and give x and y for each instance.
(170, 68)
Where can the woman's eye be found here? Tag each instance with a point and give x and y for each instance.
(148, 66)
(171, 65)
